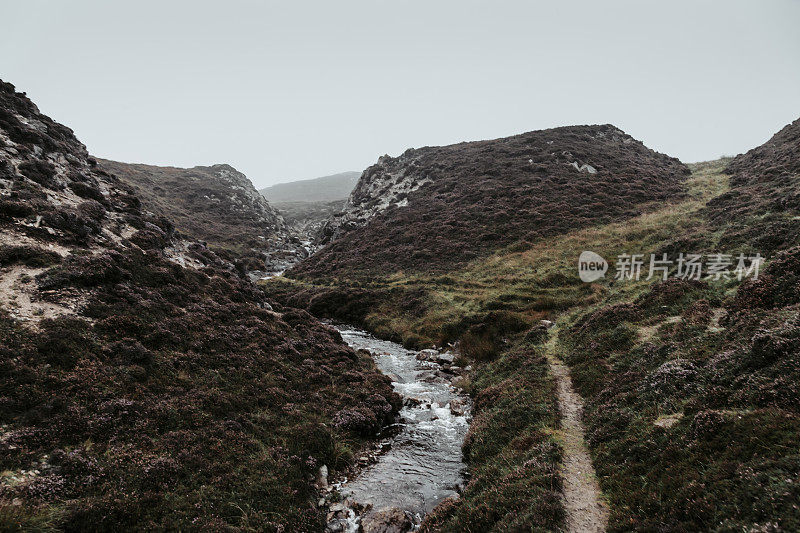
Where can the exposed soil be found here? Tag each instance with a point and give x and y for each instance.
(583, 501)
(18, 295)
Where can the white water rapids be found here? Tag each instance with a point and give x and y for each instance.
(424, 464)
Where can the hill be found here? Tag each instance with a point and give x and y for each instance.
(435, 208)
(324, 189)
(765, 191)
(218, 205)
(145, 384)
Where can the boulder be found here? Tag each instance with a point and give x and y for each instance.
(392, 520)
(445, 358)
(412, 402)
(457, 407)
(427, 355)
(322, 477)
(336, 526)
(337, 511)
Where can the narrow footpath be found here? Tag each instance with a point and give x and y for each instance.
(586, 510)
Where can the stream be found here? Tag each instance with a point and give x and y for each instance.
(423, 464)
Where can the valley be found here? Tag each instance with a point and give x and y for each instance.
(178, 352)
(145, 382)
(688, 386)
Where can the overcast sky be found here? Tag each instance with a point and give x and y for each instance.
(292, 90)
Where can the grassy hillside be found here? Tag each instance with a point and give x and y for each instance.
(690, 387)
(537, 280)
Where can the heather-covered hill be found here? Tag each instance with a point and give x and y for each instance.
(436, 208)
(218, 205)
(692, 386)
(764, 199)
(324, 189)
(144, 383)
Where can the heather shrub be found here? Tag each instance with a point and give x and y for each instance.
(361, 421)
(92, 210)
(41, 172)
(72, 222)
(675, 377)
(485, 339)
(31, 256)
(87, 190)
(83, 271)
(6, 168)
(152, 238)
(672, 296)
(64, 341)
(130, 352)
(13, 209)
(777, 286)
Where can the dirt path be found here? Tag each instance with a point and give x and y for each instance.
(586, 510)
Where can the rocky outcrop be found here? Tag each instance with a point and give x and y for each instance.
(306, 220)
(383, 185)
(220, 206)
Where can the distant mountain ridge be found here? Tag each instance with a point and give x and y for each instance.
(323, 189)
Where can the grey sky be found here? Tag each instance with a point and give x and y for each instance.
(292, 90)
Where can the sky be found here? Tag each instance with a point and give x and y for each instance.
(288, 90)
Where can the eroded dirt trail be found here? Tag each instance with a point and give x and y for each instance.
(585, 508)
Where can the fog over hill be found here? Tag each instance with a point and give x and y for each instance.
(323, 189)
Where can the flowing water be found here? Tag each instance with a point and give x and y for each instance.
(423, 466)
